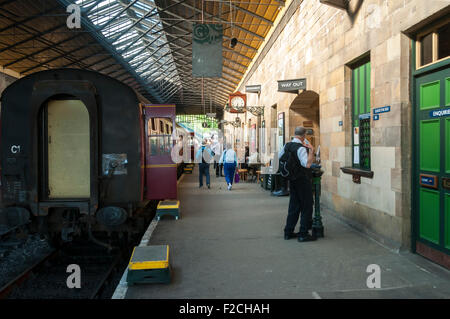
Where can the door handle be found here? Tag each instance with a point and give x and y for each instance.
(446, 182)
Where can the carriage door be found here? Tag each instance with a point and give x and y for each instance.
(160, 170)
(68, 150)
(432, 177)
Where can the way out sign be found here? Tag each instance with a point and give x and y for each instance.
(291, 85)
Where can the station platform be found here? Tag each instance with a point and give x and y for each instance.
(229, 244)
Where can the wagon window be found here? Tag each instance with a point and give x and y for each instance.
(160, 140)
(153, 124)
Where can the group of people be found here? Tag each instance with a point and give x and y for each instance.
(300, 185)
(209, 152)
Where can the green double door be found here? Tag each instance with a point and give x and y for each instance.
(432, 160)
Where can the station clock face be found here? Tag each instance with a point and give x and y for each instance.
(237, 101)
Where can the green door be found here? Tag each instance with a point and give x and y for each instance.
(432, 160)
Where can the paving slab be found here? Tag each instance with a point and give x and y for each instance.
(229, 244)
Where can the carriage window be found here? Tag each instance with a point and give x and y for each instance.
(153, 124)
(160, 142)
(160, 145)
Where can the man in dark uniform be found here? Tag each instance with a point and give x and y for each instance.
(301, 197)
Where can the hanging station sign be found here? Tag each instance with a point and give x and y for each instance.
(291, 86)
(253, 88)
(207, 57)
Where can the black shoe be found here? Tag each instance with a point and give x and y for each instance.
(307, 237)
(209, 186)
(289, 236)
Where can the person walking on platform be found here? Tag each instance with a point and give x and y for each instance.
(217, 149)
(230, 162)
(203, 157)
(295, 161)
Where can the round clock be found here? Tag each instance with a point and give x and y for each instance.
(237, 101)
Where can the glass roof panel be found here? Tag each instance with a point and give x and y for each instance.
(134, 29)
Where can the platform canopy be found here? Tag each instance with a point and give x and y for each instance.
(144, 43)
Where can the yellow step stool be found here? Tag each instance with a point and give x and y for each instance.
(168, 207)
(149, 264)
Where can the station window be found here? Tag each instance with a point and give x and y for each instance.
(433, 45)
(361, 115)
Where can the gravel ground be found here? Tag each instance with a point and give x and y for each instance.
(19, 255)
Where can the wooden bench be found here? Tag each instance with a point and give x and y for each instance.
(243, 174)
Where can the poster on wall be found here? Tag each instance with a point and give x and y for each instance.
(253, 139)
(356, 155)
(263, 137)
(280, 141)
(356, 135)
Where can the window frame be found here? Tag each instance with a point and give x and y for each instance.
(355, 114)
(435, 44)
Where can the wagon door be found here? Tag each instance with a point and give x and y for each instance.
(68, 146)
(160, 170)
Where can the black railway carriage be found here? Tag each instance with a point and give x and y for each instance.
(72, 145)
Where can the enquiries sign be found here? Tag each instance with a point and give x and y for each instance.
(440, 113)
